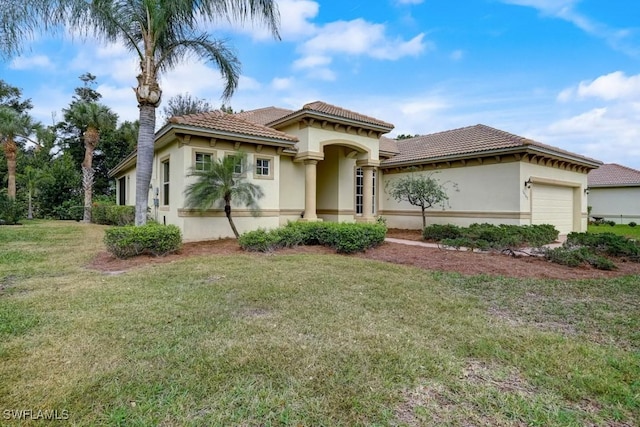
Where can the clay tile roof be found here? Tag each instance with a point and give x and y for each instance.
(262, 116)
(388, 145)
(332, 110)
(613, 174)
(224, 122)
(465, 141)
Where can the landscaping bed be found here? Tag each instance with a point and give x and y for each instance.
(462, 262)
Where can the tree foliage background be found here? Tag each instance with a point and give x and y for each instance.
(58, 191)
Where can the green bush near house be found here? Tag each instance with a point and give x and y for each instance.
(112, 214)
(489, 236)
(154, 239)
(343, 237)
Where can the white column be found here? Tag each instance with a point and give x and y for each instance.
(310, 190)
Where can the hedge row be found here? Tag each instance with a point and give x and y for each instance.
(109, 214)
(152, 238)
(489, 236)
(343, 237)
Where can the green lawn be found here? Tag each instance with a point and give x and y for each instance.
(620, 229)
(305, 340)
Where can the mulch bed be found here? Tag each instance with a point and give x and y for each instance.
(467, 263)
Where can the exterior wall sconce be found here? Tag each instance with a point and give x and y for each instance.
(527, 183)
(586, 191)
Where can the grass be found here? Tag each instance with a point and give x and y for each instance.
(305, 340)
(619, 229)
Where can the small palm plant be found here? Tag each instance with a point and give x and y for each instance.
(220, 183)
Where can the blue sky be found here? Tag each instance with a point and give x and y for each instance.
(563, 72)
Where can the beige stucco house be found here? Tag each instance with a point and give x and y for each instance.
(324, 162)
(614, 193)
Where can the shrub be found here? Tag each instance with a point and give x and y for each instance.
(632, 224)
(343, 237)
(69, 210)
(111, 214)
(154, 239)
(259, 240)
(439, 232)
(611, 223)
(605, 243)
(565, 256)
(11, 210)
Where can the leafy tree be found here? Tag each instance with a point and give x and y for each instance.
(422, 190)
(94, 118)
(60, 196)
(183, 104)
(14, 125)
(160, 32)
(11, 96)
(405, 136)
(220, 184)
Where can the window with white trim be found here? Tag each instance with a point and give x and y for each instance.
(238, 168)
(263, 167)
(165, 183)
(360, 192)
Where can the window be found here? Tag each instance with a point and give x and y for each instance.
(360, 192)
(122, 191)
(263, 167)
(237, 167)
(203, 161)
(165, 183)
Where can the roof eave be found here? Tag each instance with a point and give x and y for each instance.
(512, 150)
(292, 118)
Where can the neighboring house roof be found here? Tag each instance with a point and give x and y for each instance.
(262, 116)
(468, 141)
(231, 123)
(323, 110)
(614, 175)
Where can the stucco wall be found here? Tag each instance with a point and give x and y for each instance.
(485, 193)
(493, 193)
(620, 204)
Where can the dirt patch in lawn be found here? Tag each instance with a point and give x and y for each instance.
(434, 259)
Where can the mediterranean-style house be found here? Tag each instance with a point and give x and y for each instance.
(323, 162)
(614, 193)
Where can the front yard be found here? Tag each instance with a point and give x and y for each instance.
(304, 338)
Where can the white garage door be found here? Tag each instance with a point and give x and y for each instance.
(552, 205)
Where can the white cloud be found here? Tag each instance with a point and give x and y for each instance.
(295, 17)
(359, 37)
(312, 61)
(457, 55)
(618, 39)
(30, 62)
(281, 83)
(611, 86)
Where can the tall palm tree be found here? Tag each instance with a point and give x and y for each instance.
(161, 32)
(13, 125)
(220, 184)
(93, 118)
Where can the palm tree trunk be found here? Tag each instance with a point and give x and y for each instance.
(10, 151)
(227, 211)
(91, 138)
(30, 210)
(87, 186)
(144, 163)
